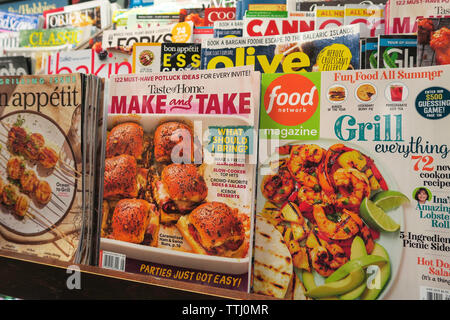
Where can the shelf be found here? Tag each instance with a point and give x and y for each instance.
(32, 278)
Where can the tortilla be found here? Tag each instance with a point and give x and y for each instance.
(273, 268)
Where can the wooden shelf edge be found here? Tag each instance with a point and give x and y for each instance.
(29, 277)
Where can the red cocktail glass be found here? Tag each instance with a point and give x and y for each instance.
(396, 93)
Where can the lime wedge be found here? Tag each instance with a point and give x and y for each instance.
(389, 199)
(376, 218)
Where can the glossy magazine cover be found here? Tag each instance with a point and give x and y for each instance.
(180, 161)
(88, 61)
(41, 168)
(432, 41)
(90, 13)
(159, 57)
(323, 50)
(257, 27)
(123, 40)
(401, 16)
(353, 185)
(397, 51)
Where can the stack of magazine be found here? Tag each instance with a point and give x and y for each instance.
(49, 152)
(295, 150)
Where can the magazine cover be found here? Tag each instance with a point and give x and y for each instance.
(266, 14)
(397, 51)
(202, 33)
(91, 13)
(329, 49)
(122, 40)
(311, 5)
(352, 186)
(37, 55)
(39, 38)
(257, 27)
(16, 22)
(8, 40)
(41, 168)
(362, 53)
(179, 175)
(401, 16)
(194, 15)
(371, 54)
(432, 41)
(88, 61)
(329, 16)
(218, 14)
(370, 17)
(223, 3)
(138, 20)
(267, 7)
(15, 66)
(159, 57)
(227, 29)
(31, 6)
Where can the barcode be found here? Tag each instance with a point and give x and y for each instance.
(428, 293)
(435, 296)
(115, 261)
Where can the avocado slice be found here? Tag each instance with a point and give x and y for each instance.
(308, 280)
(385, 273)
(350, 282)
(355, 293)
(357, 250)
(352, 265)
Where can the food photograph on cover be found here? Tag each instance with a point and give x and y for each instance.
(433, 46)
(178, 181)
(140, 177)
(41, 167)
(319, 199)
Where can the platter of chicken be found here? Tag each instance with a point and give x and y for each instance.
(159, 203)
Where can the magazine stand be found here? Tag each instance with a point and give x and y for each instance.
(32, 278)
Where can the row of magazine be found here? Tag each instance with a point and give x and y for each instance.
(280, 163)
(285, 41)
(351, 189)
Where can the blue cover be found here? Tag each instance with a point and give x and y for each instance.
(140, 3)
(16, 22)
(239, 15)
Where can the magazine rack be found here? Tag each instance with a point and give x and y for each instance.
(30, 278)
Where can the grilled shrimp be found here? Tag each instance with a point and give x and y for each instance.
(310, 196)
(308, 180)
(345, 226)
(303, 160)
(326, 259)
(278, 187)
(368, 239)
(355, 159)
(352, 186)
